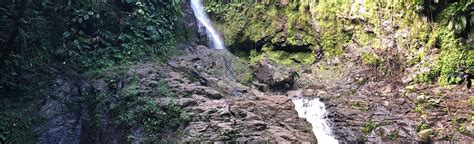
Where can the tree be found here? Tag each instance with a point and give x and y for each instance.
(10, 43)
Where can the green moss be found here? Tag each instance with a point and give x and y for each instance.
(139, 108)
(359, 105)
(471, 100)
(282, 57)
(470, 58)
(242, 72)
(451, 55)
(371, 59)
(244, 24)
(366, 39)
(288, 27)
(332, 36)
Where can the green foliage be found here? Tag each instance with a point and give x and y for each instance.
(95, 40)
(471, 100)
(136, 108)
(371, 59)
(460, 124)
(332, 36)
(279, 30)
(227, 135)
(450, 20)
(451, 56)
(458, 16)
(369, 127)
(422, 126)
(81, 35)
(16, 125)
(393, 135)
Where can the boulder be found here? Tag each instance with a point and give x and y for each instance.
(278, 78)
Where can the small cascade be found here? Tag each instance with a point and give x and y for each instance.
(314, 112)
(216, 41)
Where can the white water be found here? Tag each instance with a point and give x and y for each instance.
(315, 112)
(204, 20)
(311, 109)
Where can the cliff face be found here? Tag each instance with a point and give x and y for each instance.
(380, 34)
(186, 100)
(381, 66)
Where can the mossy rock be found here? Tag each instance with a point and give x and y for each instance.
(267, 30)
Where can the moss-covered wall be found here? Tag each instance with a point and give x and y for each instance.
(382, 32)
(280, 33)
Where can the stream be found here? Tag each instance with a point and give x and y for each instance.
(312, 110)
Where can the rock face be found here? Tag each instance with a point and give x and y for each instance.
(226, 110)
(273, 77)
(63, 125)
(221, 109)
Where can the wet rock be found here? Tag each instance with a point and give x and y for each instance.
(212, 94)
(276, 77)
(63, 123)
(424, 135)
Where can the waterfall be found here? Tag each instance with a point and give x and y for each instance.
(315, 112)
(203, 19)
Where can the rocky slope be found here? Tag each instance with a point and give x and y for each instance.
(219, 108)
(373, 63)
(211, 95)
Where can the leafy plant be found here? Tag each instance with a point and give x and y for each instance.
(422, 126)
(462, 75)
(459, 16)
(393, 135)
(369, 127)
(227, 135)
(145, 32)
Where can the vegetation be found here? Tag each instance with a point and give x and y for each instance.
(266, 30)
(137, 108)
(369, 127)
(42, 39)
(227, 135)
(330, 26)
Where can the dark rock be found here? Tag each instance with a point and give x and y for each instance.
(276, 77)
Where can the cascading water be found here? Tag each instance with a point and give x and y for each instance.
(311, 109)
(203, 19)
(314, 112)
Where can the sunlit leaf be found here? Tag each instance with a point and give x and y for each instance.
(463, 21)
(450, 25)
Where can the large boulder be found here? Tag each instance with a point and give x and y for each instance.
(273, 77)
